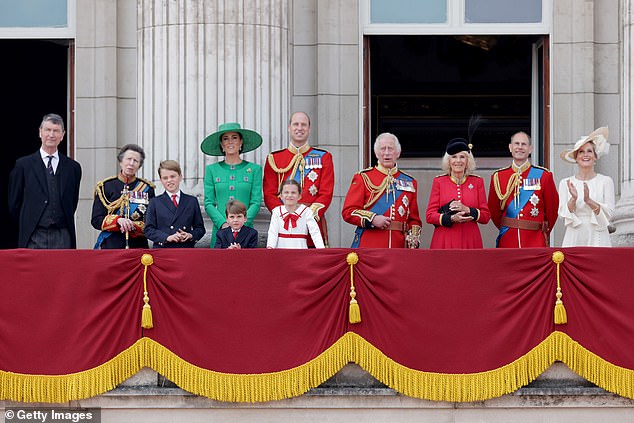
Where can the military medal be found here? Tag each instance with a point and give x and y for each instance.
(534, 200)
(312, 175)
(402, 185)
(312, 190)
(532, 184)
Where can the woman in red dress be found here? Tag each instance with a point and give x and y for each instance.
(457, 202)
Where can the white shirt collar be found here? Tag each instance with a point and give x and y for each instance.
(45, 155)
(178, 195)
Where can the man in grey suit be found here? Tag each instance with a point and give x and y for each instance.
(44, 192)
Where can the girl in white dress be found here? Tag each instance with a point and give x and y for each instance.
(586, 200)
(292, 223)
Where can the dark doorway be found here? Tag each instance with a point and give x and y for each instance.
(35, 82)
(430, 89)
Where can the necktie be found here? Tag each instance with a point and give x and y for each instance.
(174, 200)
(49, 166)
(235, 234)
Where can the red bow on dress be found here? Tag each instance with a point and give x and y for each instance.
(290, 220)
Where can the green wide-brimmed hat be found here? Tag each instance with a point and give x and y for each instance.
(211, 144)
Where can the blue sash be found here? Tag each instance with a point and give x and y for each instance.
(379, 207)
(105, 234)
(513, 209)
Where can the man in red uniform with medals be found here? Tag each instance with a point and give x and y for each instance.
(311, 167)
(381, 201)
(523, 199)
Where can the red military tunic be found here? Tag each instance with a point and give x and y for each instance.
(535, 217)
(312, 168)
(374, 191)
(469, 192)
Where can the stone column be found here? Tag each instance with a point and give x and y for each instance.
(205, 62)
(624, 215)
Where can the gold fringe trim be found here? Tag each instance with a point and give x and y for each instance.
(593, 368)
(470, 387)
(296, 381)
(63, 388)
(259, 387)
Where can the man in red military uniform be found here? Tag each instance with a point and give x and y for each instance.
(311, 167)
(523, 199)
(381, 201)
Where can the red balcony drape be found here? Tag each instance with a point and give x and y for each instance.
(258, 325)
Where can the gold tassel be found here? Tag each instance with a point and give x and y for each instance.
(354, 312)
(146, 314)
(560, 311)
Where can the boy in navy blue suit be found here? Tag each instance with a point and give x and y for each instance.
(236, 235)
(173, 219)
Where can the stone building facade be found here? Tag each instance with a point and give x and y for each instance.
(165, 74)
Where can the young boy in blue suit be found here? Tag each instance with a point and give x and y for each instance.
(173, 219)
(236, 235)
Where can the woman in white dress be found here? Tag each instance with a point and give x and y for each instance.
(586, 200)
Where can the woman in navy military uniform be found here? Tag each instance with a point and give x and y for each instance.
(120, 203)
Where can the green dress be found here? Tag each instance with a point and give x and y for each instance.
(225, 182)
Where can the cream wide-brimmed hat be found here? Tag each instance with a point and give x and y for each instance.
(599, 137)
(211, 144)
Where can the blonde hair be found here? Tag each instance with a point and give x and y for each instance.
(169, 165)
(471, 164)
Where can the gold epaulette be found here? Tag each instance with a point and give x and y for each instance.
(367, 169)
(502, 168)
(277, 151)
(110, 206)
(103, 181)
(147, 182)
(406, 174)
(541, 167)
(440, 176)
(292, 164)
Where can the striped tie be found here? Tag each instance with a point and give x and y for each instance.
(49, 166)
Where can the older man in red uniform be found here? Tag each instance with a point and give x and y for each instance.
(311, 167)
(523, 199)
(381, 201)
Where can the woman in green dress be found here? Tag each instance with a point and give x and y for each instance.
(232, 178)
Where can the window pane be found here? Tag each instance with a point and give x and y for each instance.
(428, 89)
(408, 11)
(503, 11)
(33, 13)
